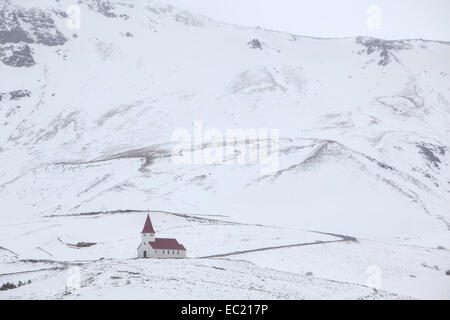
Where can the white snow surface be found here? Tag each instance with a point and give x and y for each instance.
(363, 178)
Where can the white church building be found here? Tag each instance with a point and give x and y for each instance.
(162, 248)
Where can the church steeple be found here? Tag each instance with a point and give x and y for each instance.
(148, 233)
(148, 228)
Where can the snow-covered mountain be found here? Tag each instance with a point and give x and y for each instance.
(92, 91)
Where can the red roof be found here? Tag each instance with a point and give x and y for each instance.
(148, 228)
(165, 243)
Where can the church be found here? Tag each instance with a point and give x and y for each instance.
(161, 248)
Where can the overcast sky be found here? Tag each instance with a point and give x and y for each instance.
(390, 19)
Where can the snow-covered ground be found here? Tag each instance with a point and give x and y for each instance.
(226, 259)
(361, 191)
(196, 279)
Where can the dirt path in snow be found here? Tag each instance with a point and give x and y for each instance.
(31, 271)
(197, 217)
(274, 248)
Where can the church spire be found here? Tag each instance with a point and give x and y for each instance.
(148, 228)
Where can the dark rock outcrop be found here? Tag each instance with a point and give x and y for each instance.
(19, 94)
(20, 27)
(255, 44)
(384, 48)
(29, 26)
(102, 6)
(17, 55)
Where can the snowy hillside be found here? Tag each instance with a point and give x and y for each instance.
(87, 116)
